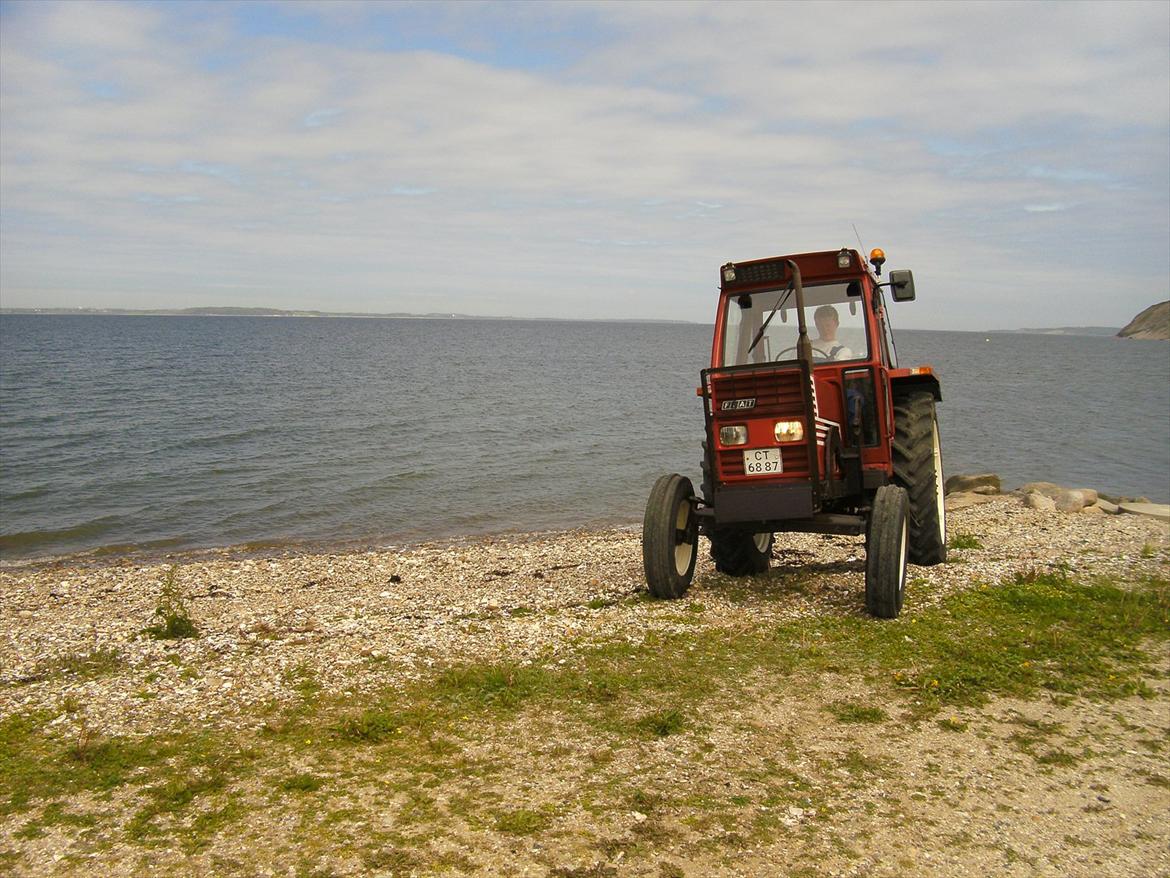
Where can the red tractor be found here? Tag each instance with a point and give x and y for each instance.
(815, 434)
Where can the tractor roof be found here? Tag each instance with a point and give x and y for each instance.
(818, 267)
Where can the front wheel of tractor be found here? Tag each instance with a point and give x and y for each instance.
(887, 542)
(670, 537)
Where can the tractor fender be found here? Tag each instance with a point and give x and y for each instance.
(903, 381)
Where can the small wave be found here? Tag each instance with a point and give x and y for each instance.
(229, 438)
(25, 540)
(27, 494)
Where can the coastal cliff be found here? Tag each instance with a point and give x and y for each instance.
(1154, 322)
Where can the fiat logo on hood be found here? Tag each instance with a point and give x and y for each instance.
(729, 405)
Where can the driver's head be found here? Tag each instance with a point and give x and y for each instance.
(827, 321)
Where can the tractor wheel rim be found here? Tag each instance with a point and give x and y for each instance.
(939, 498)
(903, 550)
(684, 547)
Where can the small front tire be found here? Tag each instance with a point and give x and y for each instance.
(887, 543)
(670, 537)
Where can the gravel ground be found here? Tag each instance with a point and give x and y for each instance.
(362, 621)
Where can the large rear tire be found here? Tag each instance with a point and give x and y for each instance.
(670, 537)
(740, 552)
(918, 469)
(887, 542)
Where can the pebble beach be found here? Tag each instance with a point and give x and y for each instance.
(360, 622)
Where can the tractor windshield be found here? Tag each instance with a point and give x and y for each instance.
(835, 321)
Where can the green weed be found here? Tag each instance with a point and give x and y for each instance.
(174, 619)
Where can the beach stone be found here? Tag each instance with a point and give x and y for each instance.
(961, 484)
(963, 500)
(1048, 489)
(1041, 502)
(1093, 510)
(1091, 496)
(988, 490)
(1107, 507)
(1070, 501)
(1150, 510)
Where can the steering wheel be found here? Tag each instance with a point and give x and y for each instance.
(823, 355)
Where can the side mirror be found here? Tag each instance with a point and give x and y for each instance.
(902, 286)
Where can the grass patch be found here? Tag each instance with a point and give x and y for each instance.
(91, 665)
(522, 821)
(1057, 757)
(964, 541)
(661, 723)
(302, 783)
(1035, 632)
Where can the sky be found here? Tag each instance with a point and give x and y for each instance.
(583, 160)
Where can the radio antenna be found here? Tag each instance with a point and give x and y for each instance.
(857, 235)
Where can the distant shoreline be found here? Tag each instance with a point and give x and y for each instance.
(277, 312)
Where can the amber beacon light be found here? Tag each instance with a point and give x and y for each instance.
(877, 258)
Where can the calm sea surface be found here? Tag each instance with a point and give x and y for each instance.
(162, 433)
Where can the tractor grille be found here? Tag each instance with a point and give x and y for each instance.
(778, 396)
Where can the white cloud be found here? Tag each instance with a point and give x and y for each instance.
(980, 144)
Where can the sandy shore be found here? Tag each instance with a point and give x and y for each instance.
(361, 623)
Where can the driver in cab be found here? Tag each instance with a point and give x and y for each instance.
(826, 345)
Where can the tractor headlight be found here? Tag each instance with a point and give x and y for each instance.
(789, 431)
(736, 435)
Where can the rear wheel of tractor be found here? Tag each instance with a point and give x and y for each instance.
(918, 469)
(670, 537)
(887, 542)
(740, 552)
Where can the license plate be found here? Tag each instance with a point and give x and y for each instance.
(762, 461)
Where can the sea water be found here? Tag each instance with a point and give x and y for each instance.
(162, 433)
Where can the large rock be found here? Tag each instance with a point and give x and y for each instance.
(1093, 510)
(962, 484)
(1042, 502)
(963, 500)
(1070, 501)
(1091, 496)
(1107, 507)
(1065, 499)
(1151, 510)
